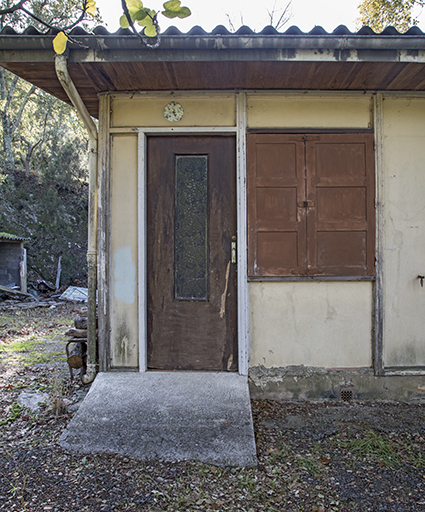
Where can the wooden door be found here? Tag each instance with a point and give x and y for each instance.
(191, 222)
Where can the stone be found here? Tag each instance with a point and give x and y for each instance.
(32, 399)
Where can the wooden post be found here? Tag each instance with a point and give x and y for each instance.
(58, 275)
(23, 271)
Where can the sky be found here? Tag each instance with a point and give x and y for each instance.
(306, 14)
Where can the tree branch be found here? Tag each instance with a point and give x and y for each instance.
(2, 84)
(11, 92)
(133, 28)
(80, 19)
(283, 18)
(20, 7)
(14, 8)
(21, 108)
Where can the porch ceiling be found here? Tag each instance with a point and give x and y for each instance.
(118, 62)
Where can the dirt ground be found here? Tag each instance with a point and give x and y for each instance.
(312, 456)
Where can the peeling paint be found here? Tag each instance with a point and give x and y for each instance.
(223, 297)
(312, 383)
(124, 275)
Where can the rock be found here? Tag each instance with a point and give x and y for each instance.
(32, 400)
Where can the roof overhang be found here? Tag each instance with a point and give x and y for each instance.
(106, 62)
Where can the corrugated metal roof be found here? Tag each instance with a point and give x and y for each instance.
(197, 31)
(7, 236)
(220, 60)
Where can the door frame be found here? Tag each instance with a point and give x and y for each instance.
(241, 212)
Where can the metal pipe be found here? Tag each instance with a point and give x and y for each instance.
(74, 96)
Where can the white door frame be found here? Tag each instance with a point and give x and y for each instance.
(243, 293)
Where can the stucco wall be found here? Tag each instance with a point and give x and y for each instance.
(403, 230)
(295, 323)
(200, 110)
(327, 324)
(309, 111)
(123, 300)
(324, 324)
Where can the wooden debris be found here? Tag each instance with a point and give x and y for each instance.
(76, 356)
(14, 293)
(76, 333)
(80, 322)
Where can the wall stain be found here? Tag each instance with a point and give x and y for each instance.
(124, 345)
(124, 275)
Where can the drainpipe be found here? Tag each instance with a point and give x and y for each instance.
(71, 91)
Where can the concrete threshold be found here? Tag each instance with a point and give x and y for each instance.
(166, 416)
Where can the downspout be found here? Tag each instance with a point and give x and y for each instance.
(74, 96)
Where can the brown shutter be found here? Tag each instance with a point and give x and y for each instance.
(341, 224)
(276, 189)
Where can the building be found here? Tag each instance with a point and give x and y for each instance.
(259, 202)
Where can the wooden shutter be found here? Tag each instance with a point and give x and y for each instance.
(341, 224)
(276, 185)
(311, 205)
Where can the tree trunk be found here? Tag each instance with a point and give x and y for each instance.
(9, 163)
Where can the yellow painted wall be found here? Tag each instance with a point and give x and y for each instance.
(149, 111)
(295, 323)
(404, 231)
(309, 111)
(123, 299)
(325, 324)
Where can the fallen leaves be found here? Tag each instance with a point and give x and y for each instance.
(305, 467)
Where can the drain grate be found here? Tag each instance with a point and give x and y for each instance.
(346, 394)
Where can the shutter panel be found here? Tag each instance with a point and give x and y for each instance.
(341, 225)
(276, 188)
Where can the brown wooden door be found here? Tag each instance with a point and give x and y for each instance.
(191, 219)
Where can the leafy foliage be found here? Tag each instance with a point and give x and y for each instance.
(55, 15)
(147, 18)
(173, 9)
(48, 201)
(43, 186)
(51, 210)
(379, 14)
(59, 43)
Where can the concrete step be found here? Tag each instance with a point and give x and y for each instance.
(168, 416)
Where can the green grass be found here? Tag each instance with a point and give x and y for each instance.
(373, 447)
(18, 346)
(25, 335)
(28, 352)
(309, 465)
(14, 413)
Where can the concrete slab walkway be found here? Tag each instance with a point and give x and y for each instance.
(168, 416)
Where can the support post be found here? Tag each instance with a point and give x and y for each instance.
(71, 90)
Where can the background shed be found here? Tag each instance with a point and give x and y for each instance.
(13, 261)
